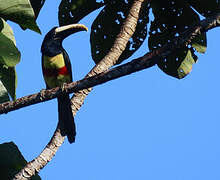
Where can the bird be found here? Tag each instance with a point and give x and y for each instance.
(57, 71)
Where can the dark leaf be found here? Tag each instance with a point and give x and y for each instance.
(107, 26)
(200, 43)
(71, 11)
(171, 19)
(37, 5)
(206, 7)
(11, 161)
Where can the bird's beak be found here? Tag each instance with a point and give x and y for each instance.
(64, 31)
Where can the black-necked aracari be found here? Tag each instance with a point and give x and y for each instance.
(57, 70)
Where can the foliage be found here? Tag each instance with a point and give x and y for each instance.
(74, 10)
(22, 13)
(103, 34)
(170, 19)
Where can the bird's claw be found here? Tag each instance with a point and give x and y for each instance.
(42, 94)
(63, 88)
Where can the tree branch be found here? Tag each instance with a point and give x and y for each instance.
(135, 65)
(127, 30)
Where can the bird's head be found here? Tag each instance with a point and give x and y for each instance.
(52, 43)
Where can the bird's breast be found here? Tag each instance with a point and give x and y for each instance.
(54, 62)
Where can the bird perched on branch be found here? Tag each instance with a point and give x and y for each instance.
(57, 71)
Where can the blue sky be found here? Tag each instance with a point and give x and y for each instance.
(144, 126)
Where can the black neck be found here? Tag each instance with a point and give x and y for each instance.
(51, 48)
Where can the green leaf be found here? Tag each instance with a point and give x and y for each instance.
(206, 7)
(9, 54)
(71, 11)
(3, 93)
(8, 77)
(11, 161)
(186, 65)
(171, 19)
(107, 26)
(20, 12)
(9, 57)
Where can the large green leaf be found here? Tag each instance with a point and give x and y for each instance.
(107, 26)
(9, 57)
(11, 161)
(206, 7)
(71, 11)
(9, 54)
(8, 77)
(20, 12)
(171, 19)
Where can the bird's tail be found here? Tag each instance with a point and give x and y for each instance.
(66, 116)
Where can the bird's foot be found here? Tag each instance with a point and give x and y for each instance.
(63, 87)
